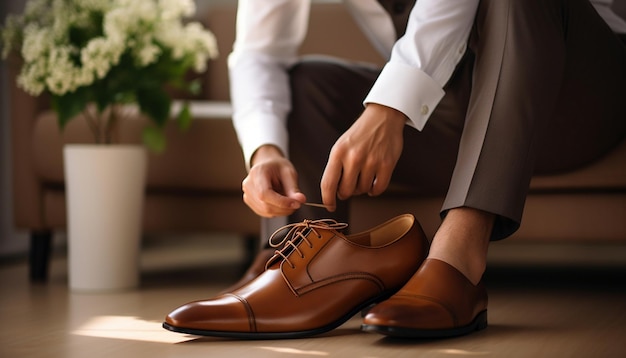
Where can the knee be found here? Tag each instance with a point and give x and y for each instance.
(328, 90)
(314, 87)
(304, 89)
(305, 78)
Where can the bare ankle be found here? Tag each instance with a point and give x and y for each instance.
(462, 241)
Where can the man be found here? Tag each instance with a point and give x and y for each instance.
(475, 98)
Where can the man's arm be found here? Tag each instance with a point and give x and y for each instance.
(268, 36)
(407, 91)
(423, 60)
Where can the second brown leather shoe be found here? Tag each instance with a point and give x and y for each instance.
(438, 301)
(316, 282)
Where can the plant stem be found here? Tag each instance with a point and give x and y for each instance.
(111, 123)
(92, 122)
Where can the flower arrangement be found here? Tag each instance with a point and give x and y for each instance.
(94, 56)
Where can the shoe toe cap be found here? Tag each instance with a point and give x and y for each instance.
(224, 313)
(410, 313)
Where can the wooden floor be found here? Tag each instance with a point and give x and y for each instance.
(566, 307)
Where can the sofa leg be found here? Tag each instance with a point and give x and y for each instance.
(39, 260)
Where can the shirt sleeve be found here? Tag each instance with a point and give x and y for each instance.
(424, 58)
(268, 35)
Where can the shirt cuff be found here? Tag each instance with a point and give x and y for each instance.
(259, 132)
(408, 90)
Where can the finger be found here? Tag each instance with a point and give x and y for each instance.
(348, 181)
(279, 204)
(365, 182)
(329, 183)
(267, 208)
(266, 200)
(291, 189)
(380, 183)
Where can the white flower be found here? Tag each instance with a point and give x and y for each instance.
(202, 44)
(94, 5)
(146, 53)
(36, 8)
(62, 79)
(105, 51)
(69, 44)
(100, 55)
(175, 9)
(30, 78)
(37, 43)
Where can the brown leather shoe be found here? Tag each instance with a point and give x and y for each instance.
(316, 282)
(438, 301)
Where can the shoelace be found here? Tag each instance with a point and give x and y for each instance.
(296, 234)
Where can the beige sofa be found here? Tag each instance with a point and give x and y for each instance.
(195, 186)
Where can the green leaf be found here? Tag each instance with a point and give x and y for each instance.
(154, 139)
(68, 106)
(154, 102)
(184, 118)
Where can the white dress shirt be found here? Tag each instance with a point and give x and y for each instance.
(269, 34)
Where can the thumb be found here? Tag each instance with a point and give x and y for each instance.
(296, 194)
(293, 191)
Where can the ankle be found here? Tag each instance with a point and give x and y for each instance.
(473, 269)
(463, 240)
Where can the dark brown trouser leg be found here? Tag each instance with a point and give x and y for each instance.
(547, 94)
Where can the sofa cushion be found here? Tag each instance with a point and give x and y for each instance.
(206, 157)
(606, 173)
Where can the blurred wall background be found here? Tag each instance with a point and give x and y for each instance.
(12, 242)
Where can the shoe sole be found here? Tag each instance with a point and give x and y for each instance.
(278, 335)
(479, 323)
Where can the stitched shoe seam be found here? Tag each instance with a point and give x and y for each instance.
(340, 278)
(246, 305)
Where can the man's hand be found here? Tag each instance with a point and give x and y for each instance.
(364, 157)
(271, 187)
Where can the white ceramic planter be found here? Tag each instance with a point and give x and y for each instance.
(105, 188)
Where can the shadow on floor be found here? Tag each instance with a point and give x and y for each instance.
(607, 279)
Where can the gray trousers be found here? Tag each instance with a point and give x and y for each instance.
(541, 89)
